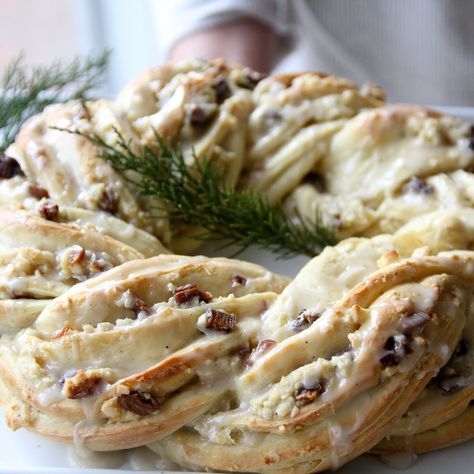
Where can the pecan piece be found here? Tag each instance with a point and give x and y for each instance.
(98, 265)
(140, 403)
(37, 192)
(397, 347)
(133, 302)
(222, 89)
(305, 318)
(9, 167)
(220, 320)
(305, 395)
(183, 294)
(49, 211)
(81, 385)
(238, 280)
(200, 116)
(77, 255)
(262, 347)
(109, 201)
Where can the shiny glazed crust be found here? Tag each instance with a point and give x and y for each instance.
(109, 342)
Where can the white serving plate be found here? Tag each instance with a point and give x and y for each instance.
(25, 453)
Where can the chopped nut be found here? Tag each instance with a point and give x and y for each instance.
(81, 385)
(140, 403)
(184, 294)
(200, 116)
(49, 211)
(238, 280)
(397, 347)
(131, 301)
(222, 90)
(304, 320)
(414, 322)
(98, 265)
(262, 347)
(418, 186)
(37, 192)
(109, 201)
(305, 395)
(9, 167)
(220, 320)
(77, 255)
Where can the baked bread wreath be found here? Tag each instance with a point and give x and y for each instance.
(109, 341)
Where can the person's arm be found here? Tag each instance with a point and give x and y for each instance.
(242, 41)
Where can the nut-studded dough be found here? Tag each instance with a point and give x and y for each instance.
(386, 166)
(40, 259)
(200, 106)
(125, 355)
(219, 364)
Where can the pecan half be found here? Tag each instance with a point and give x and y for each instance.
(183, 294)
(9, 167)
(49, 211)
(305, 395)
(140, 403)
(220, 320)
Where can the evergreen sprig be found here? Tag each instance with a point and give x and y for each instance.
(195, 195)
(27, 91)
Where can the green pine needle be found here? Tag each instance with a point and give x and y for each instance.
(196, 196)
(27, 91)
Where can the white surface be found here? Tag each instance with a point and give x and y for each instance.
(26, 453)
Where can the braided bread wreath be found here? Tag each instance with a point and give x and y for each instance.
(110, 341)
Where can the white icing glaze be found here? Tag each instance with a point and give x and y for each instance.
(399, 461)
(85, 459)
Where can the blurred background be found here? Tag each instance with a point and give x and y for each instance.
(418, 50)
(50, 29)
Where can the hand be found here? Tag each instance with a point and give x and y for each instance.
(243, 41)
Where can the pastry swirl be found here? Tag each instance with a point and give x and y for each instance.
(110, 342)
